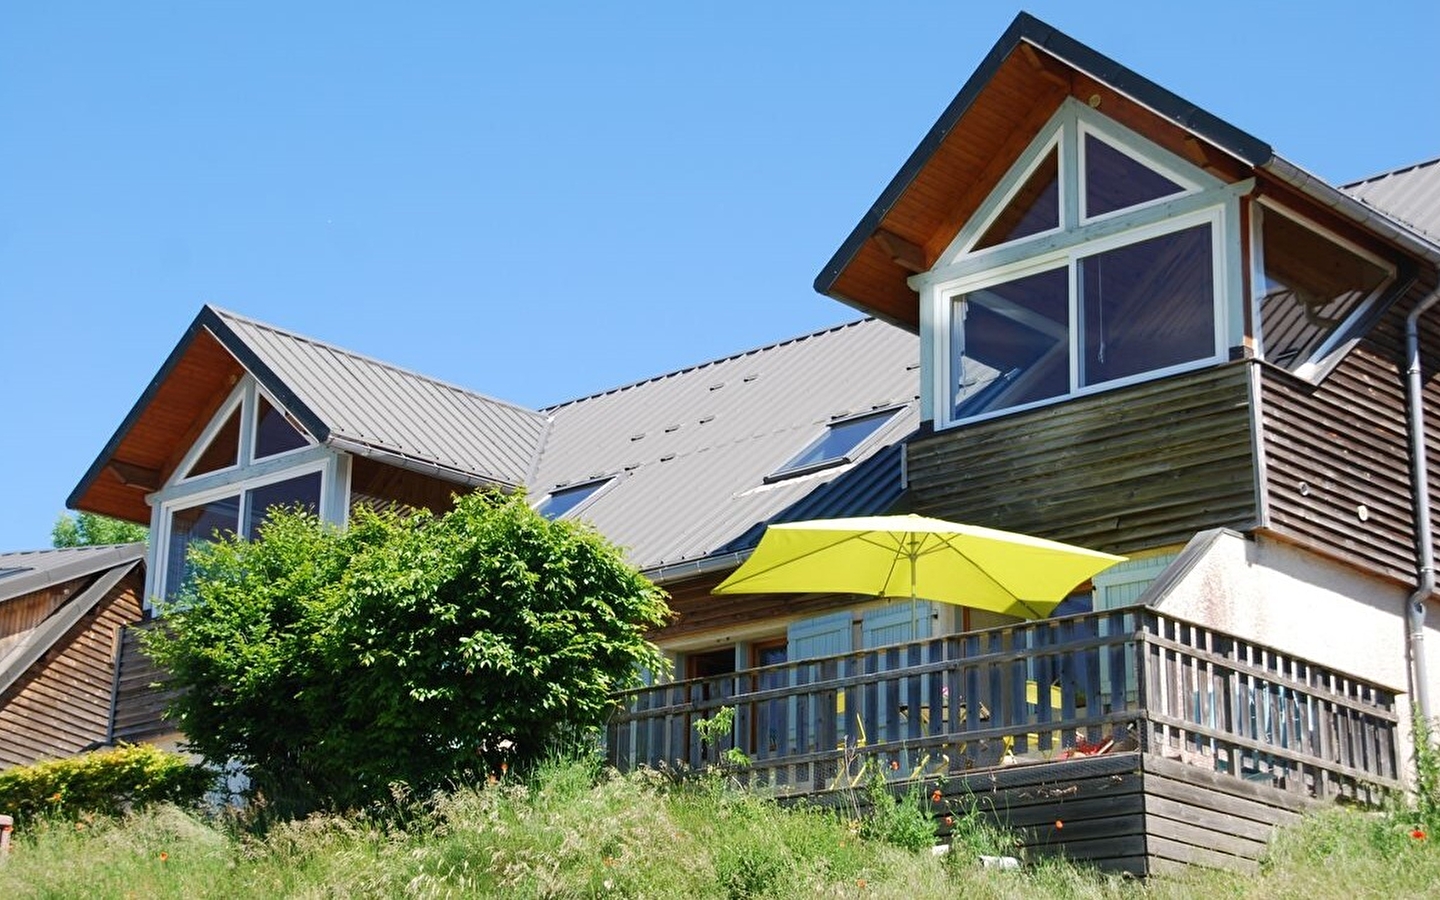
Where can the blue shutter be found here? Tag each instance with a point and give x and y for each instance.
(826, 635)
(890, 624)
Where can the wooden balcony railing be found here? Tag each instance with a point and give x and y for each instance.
(1105, 682)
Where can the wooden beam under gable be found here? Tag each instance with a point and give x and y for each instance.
(1045, 66)
(134, 476)
(906, 254)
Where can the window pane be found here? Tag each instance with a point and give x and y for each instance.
(223, 450)
(303, 491)
(195, 525)
(560, 502)
(1147, 306)
(273, 431)
(1312, 285)
(1113, 180)
(1035, 208)
(1012, 343)
(836, 444)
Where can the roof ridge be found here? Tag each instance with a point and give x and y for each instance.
(365, 357)
(1391, 172)
(775, 345)
(83, 548)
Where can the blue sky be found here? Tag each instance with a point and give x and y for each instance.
(536, 201)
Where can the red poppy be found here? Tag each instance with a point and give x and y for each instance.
(1059, 824)
(935, 796)
(1418, 835)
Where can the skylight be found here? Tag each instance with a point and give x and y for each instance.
(562, 500)
(834, 447)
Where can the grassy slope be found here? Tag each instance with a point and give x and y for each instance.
(566, 836)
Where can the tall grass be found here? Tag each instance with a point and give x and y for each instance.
(572, 829)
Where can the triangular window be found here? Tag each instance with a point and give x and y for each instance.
(1034, 209)
(223, 451)
(274, 432)
(1115, 180)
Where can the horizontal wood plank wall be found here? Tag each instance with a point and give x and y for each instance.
(1194, 816)
(1333, 448)
(63, 704)
(697, 610)
(1124, 470)
(20, 614)
(139, 702)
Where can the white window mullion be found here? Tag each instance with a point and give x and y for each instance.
(1070, 178)
(1077, 347)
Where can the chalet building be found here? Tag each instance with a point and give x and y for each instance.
(61, 612)
(1139, 330)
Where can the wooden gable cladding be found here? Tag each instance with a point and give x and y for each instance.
(61, 705)
(697, 611)
(1120, 471)
(174, 413)
(949, 185)
(140, 692)
(1337, 454)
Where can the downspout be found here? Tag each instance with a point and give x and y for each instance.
(1420, 490)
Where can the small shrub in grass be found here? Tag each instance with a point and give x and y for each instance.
(106, 782)
(902, 821)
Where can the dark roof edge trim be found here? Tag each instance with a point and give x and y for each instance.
(1027, 28)
(81, 562)
(216, 325)
(136, 411)
(208, 320)
(48, 633)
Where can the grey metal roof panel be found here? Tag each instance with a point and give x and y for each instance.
(690, 449)
(362, 400)
(32, 570)
(1410, 195)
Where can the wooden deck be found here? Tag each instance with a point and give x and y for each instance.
(1158, 741)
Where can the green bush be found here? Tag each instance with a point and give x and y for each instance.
(419, 649)
(106, 782)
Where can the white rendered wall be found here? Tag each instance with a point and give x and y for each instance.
(1299, 603)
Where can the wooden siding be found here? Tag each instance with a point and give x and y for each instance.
(140, 699)
(62, 704)
(976, 153)
(1143, 466)
(377, 486)
(21, 614)
(1333, 448)
(170, 423)
(697, 610)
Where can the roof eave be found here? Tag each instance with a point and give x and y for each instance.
(1028, 29)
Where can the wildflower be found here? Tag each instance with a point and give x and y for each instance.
(504, 768)
(79, 826)
(949, 820)
(1418, 835)
(935, 796)
(55, 797)
(894, 765)
(1059, 824)
(860, 882)
(164, 857)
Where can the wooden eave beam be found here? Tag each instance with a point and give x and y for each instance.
(135, 476)
(1043, 65)
(904, 253)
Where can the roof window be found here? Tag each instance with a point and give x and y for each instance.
(834, 447)
(562, 501)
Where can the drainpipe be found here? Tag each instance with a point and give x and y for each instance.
(1420, 489)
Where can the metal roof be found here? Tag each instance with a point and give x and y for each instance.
(29, 571)
(1411, 195)
(690, 451)
(362, 401)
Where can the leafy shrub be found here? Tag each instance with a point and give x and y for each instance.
(902, 821)
(106, 782)
(417, 649)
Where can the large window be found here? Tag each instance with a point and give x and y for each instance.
(1100, 260)
(222, 517)
(250, 459)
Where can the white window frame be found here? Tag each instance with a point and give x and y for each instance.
(951, 293)
(999, 201)
(1314, 366)
(1206, 199)
(1119, 141)
(253, 399)
(181, 492)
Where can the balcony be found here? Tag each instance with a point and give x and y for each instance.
(1169, 741)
